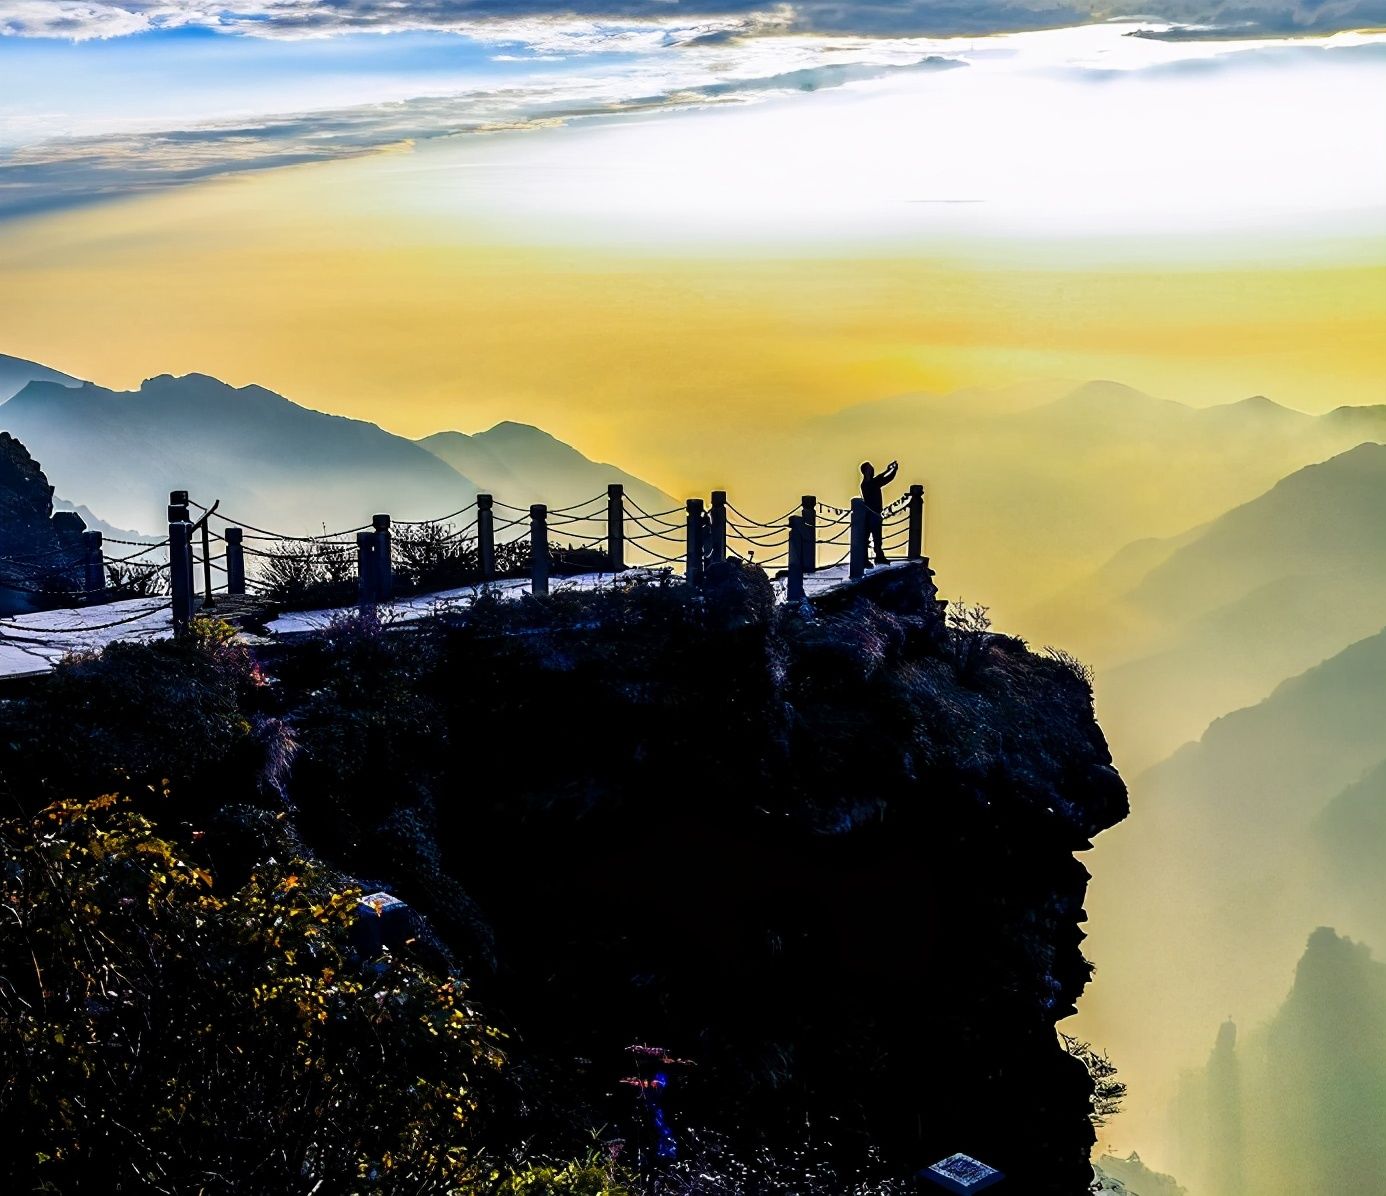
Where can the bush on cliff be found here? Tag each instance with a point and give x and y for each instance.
(163, 1033)
(182, 718)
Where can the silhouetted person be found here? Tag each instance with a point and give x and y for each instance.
(871, 485)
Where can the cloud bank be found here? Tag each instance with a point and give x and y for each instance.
(60, 172)
(698, 63)
(643, 24)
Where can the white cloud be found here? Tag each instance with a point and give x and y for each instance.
(568, 26)
(628, 27)
(700, 72)
(69, 19)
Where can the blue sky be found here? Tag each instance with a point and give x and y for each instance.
(140, 96)
(174, 76)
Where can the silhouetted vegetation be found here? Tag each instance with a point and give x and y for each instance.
(971, 637)
(307, 574)
(1107, 1091)
(1082, 673)
(134, 580)
(425, 558)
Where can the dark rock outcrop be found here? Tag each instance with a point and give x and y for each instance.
(37, 550)
(795, 847)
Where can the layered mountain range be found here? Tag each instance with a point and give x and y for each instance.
(1031, 488)
(1187, 628)
(273, 462)
(1269, 823)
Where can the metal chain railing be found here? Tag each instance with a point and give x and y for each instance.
(597, 534)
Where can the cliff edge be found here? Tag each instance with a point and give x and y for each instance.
(821, 857)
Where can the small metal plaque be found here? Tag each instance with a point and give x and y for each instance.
(962, 1173)
(380, 904)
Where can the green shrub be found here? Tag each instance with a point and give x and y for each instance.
(592, 1176)
(137, 718)
(158, 1034)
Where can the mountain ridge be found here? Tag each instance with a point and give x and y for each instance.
(1184, 629)
(1221, 842)
(553, 471)
(1071, 476)
(16, 373)
(274, 462)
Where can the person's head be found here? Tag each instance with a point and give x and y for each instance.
(868, 470)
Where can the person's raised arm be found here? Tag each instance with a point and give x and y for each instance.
(889, 472)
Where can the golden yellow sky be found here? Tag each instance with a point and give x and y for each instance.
(279, 279)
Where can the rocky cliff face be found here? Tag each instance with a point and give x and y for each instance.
(826, 854)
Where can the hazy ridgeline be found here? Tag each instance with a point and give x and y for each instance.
(271, 461)
(1223, 570)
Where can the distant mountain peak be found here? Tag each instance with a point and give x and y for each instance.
(1370, 454)
(275, 462)
(1106, 397)
(519, 461)
(1109, 388)
(1257, 406)
(1330, 959)
(201, 382)
(1366, 420)
(514, 428)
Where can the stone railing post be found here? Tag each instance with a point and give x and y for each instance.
(235, 560)
(93, 565)
(616, 526)
(718, 547)
(539, 549)
(794, 582)
(178, 512)
(808, 515)
(916, 538)
(486, 536)
(180, 572)
(693, 541)
(384, 572)
(857, 559)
